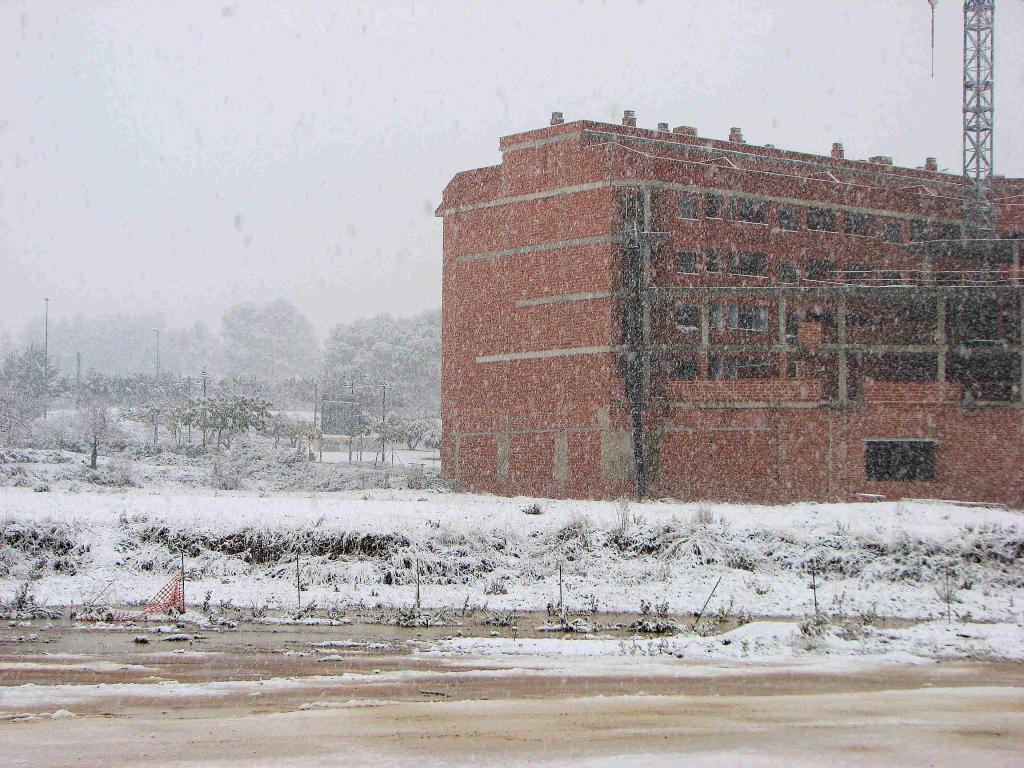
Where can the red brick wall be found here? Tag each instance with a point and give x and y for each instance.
(506, 421)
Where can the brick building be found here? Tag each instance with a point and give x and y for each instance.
(651, 312)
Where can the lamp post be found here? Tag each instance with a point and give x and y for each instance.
(46, 353)
(156, 420)
(156, 331)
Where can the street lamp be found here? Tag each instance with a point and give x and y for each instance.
(46, 352)
(157, 332)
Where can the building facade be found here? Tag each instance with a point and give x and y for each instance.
(650, 312)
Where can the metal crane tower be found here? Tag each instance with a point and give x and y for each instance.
(979, 215)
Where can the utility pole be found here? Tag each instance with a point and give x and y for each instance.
(157, 332)
(383, 417)
(46, 354)
(204, 406)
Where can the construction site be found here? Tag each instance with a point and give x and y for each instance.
(652, 312)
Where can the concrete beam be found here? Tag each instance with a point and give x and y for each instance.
(558, 245)
(564, 298)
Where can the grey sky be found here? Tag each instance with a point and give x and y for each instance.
(189, 157)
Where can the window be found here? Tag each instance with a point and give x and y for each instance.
(687, 207)
(686, 261)
(748, 318)
(820, 269)
(919, 230)
(716, 317)
(712, 205)
(713, 261)
(685, 368)
(857, 273)
(859, 320)
(715, 367)
(949, 231)
(792, 323)
(734, 367)
(787, 272)
(788, 218)
(899, 460)
(687, 317)
(821, 219)
(747, 209)
(859, 224)
(901, 366)
(893, 232)
(891, 278)
(749, 263)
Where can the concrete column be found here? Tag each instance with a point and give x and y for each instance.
(940, 335)
(782, 321)
(783, 357)
(458, 461)
(705, 339)
(503, 450)
(841, 338)
(561, 469)
(645, 294)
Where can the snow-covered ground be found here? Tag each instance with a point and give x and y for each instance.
(360, 548)
(774, 641)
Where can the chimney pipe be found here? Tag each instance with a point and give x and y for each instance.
(556, 118)
(736, 135)
(837, 151)
(931, 164)
(629, 118)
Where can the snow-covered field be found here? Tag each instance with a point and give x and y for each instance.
(361, 549)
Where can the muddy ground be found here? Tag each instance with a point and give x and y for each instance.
(271, 696)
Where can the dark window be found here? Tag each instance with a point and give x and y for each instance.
(716, 317)
(901, 366)
(787, 272)
(715, 367)
(747, 209)
(687, 317)
(738, 367)
(792, 323)
(893, 232)
(713, 261)
(821, 219)
(857, 273)
(899, 460)
(949, 231)
(891, 278)
(788, 218)
(686, 261)
(820, 269)
(859, 224)
(748, 318)
(749, 263)
(859, 320)
(920, 230)
(687, 207)
(685, 368)
(712, 205)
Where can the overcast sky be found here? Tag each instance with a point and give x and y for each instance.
(187, 158)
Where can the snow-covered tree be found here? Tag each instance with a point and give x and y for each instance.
(272, 341)
(97, 424)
